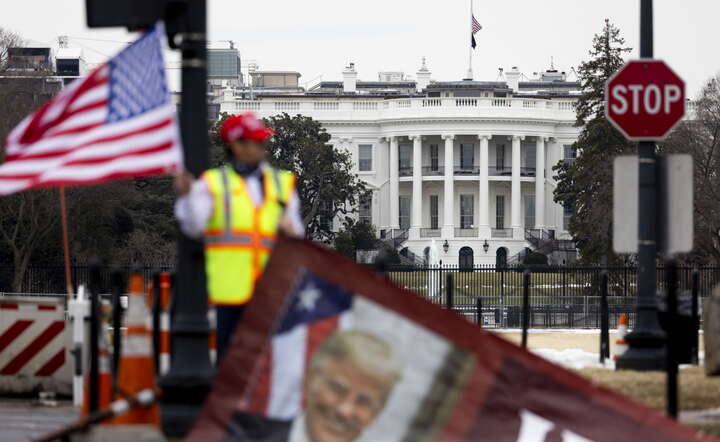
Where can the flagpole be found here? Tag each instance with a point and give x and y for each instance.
(66, 243)
(470, 72)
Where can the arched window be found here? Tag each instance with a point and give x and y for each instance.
(466, 258)
(501, 257)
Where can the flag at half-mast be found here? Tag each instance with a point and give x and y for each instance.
(475, 26)
(118, 122)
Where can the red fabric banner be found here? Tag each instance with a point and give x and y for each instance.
(329, 351)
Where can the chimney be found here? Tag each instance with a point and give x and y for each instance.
(513, 78)
(350, 79)
(423, 77)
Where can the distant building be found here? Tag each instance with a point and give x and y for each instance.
(35, 59)
(70, 64)
(467, 164)
(276, 79)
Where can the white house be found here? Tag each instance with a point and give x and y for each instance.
(467, 163)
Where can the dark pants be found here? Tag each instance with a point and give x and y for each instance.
(227, 317)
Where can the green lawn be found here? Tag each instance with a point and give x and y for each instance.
(545, 288)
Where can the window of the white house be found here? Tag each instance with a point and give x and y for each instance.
(433, 211)
(567, 214)
(500, 211)
(365, 157)
(500, 157)
(467, 156)
(466, 212)
(568, 152)
(404, 214)
(434, 160)
(405, 159)
(365, 212)
(529, 211)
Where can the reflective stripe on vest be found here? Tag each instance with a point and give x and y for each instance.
(239, 235)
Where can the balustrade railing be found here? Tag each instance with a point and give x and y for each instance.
(433, 170)
(466, 233)
(501, 233)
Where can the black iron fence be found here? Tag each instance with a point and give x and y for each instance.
(560, 297)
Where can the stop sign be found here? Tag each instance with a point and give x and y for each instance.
(645, 99)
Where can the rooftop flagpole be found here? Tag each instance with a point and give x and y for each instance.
(470, 48)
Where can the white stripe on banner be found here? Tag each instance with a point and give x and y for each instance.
(288, 370)
(128, 164)
(346, 320)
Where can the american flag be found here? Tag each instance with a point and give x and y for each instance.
(315, 310)
(118, 122)
(476, 26)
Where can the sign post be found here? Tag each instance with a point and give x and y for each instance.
(645, 100)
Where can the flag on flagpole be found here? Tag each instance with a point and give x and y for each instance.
(476, 26)
(118, 122)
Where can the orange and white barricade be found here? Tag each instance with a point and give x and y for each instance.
(621, 345)
(34, 345)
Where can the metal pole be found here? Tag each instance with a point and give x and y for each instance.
(156, 321)
(604, 319)
(94, 286)
(645, 350)
(449, 287)
(188, 381)
(694, 316)
(478, 310)
(671, 356)
(470, 49)
(526, 307)
(117, 290)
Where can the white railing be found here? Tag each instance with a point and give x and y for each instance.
(287, 105)
(365, 105)
(462, 107)
(431, 102)
(501, 102)
(326, 105)
(466, 102)
(247, 105)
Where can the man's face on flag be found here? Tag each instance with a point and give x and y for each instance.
(343, 399)
(345, 394)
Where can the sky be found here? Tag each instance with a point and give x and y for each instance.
(319, 37)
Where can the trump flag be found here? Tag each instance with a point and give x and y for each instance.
(328, 351)
(118, 122)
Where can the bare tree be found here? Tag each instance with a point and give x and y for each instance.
(700, 137)
(8, 39)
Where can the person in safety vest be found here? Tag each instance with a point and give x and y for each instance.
(238, 209)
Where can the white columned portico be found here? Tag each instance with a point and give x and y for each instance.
(484, 196)
(394, 184)
(448, 230)
(515, 188)
(416, 218)
(540, 183)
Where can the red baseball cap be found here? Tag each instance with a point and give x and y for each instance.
(245, 127)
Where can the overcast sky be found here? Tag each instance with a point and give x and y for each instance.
(319, 37)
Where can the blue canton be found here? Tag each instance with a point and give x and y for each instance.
(137, 78)
(314, 299)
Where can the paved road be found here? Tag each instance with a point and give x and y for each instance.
(22, 419)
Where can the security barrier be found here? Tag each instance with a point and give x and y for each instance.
(35, 341)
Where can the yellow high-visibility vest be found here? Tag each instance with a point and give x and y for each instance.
(239, 235)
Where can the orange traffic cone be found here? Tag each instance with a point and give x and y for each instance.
(136, 370)
(104, 378)
(621, 345)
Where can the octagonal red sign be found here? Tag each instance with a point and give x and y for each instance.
(645, 99)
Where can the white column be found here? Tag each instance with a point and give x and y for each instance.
(515, 189)
(484, 196)
(448, 230)
(394, 184)
(540, 183)
(416, 214)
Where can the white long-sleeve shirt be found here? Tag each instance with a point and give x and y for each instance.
(193, 211)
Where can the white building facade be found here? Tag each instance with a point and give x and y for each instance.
(466, 164)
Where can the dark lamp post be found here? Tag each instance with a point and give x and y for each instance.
(446, 246)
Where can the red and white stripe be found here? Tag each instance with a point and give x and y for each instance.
(279, 378)
(67, 141)
(33, 341)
